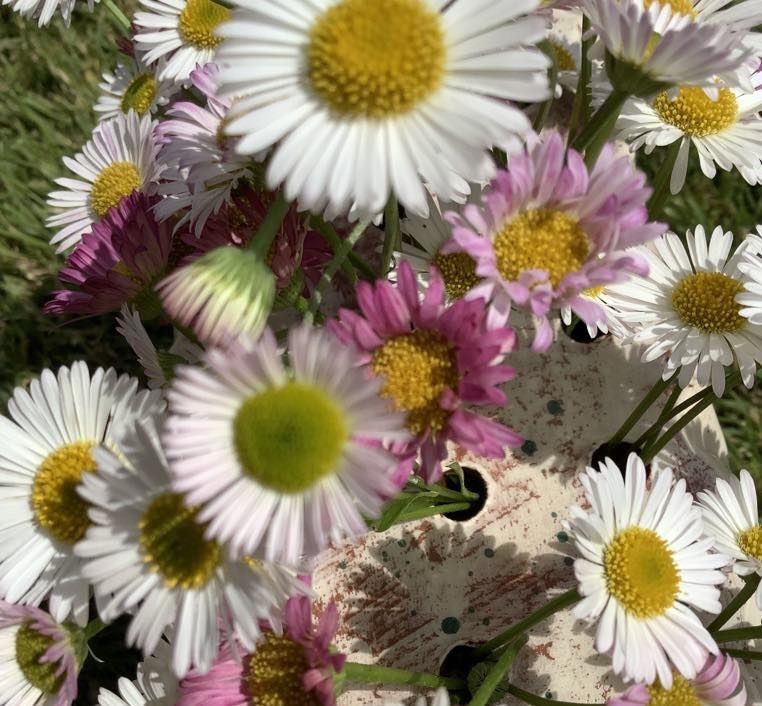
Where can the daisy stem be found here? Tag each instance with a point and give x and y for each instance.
(496, 674)
(353, 262)
(376, 674)
(645, 404)
(261, 242)
(599, 129)
(391, 233)
(750, 586)
(544, 109)
(535, 700)
(661, 181)
(581, 107)
(118, 15)
(423, 512)
(736, 634)
(93, 628)
(743, 654)
(565, 600)
(665, 415)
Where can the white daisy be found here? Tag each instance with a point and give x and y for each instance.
(44, 10)
(146, 554)
(119, 158)
(751, 265)
(132, 86)
(687, 308)
(282, 459)
(642, 564)
(731, 520)
(662, 46)
(726, 129)
(47, 447)
(365, 97)
(183, 32)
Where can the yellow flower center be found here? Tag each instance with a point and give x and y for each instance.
(114, 182)
(57, 506)
(417, 368)
(274, 674)
(458, 271)
(640, 572)
(695, 113)
(541, 239)
(173, 544)
(681, 7)
(750, 542)
(681, 694)
(376, 58)
(289, 437)
(139, 94)
(707, 301)
(198, 20)
(563, 58)
(30, 647)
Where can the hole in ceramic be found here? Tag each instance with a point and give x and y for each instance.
(475, 483)
(618, 453)
(577, 331)
(459, 661)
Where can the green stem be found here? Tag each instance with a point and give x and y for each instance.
(643, 406)
(334, 241)
(93, 628)
(598, 130)
(341, 254)
(535, 700)
(261, 242)
(581, 107)
(495, 675)
(664, 417)
(750, 586)
(118, 15)
(734, 634)
(376, 674)
(743, 654)
(431, 511)
(391, 233)
(544, 109)
(662, 179)
(554, 605)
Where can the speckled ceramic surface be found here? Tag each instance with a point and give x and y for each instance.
(407, 596)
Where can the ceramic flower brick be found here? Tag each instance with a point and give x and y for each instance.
(427, 404)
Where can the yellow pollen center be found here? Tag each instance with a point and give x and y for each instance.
(563, 58)
(707, 301)
(57, 506)
(173, 544)
(750, 542)
(458, 271)
(695, 113)
(640, 572)
(198, 20)
(594, 292)
(274, 674)
(541, 239)
(681, 7)
(114, 182)
(418, 367)
(139, 94)
(376, 58)
(681, 694)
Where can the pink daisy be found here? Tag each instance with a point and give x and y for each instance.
(294, 668)
(436, 359)
(38, 660)
(718, 683)
(116, 263)
(549, 233)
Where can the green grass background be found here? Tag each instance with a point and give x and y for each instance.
(48, 84)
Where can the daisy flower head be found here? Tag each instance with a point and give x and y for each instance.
(731, 520)
(39, 658)
(117, 262)
(132, 86)
(295, 668)
(361, 98)
(724, 129)
(651, 46)
(43, 10)
(642, 566)
(718, 683)
(687, 309)
(183, 33)
(48, 446)
(146, 554)
(283, 458)
(548, 232)
(119, 158)
(435, 360)
(207, 167)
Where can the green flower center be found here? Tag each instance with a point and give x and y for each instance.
(707, 301)
(114, 182)
(376, 58)
(198, 20)
(695, 113)
(139, 94)
(289, 437)
(173, 544)
(30, 647)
